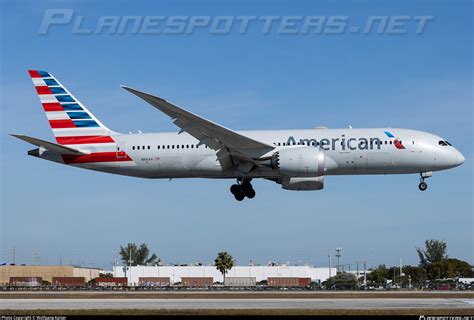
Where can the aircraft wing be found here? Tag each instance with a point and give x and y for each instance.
(50, 146)
(233, 148)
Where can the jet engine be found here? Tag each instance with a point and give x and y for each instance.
(302, 184)
(299, 162)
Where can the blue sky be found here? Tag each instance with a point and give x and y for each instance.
(243, 81)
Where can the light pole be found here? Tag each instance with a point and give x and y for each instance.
(329, 255)
(130, 265)
(357, 275)
(338, 255)
(114, 265)
(365, 274)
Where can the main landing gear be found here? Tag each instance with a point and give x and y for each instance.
(242, 189)
(423, 186)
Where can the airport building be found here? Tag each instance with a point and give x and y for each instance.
(176, 273)
(45, 272)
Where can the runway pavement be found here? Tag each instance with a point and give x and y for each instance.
(201, 304)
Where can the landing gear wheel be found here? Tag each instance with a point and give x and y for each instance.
(239, 196)
(248, 190)
(423, 175)
(422, 186)
(235, 188)
(238, 192)
(242, 189)
(250, 193)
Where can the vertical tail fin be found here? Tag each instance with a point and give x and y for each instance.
(70, 121)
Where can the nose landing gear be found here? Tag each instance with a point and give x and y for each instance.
(242, 189)
(423, 185)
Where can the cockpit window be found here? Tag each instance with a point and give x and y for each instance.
(449, 144)
(442, 143)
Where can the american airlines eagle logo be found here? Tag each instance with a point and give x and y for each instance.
(397, 143)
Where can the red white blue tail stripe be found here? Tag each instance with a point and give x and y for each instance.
(72, 124)
(67, 116)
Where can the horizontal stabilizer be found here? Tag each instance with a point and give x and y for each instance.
(50, 146)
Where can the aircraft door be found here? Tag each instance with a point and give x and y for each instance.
(415, 145)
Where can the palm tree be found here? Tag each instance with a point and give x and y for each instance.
(137, 255)
(224, 262)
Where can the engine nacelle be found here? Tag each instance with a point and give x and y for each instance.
(299, 162)
(302, 184)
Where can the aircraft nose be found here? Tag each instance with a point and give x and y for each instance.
(459, 158)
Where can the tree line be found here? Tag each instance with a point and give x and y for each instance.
(134, 255)
(434, 264)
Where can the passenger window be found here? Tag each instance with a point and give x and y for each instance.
(187, 146)
(158, 147)
(177, 146)
(133, 148)
(168, 146)
(192, 146)
(148, 147)
(182, 146)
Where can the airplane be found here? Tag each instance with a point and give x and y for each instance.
(298, 160)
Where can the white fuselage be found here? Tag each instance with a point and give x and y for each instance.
(347, 152)
(296, 159)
